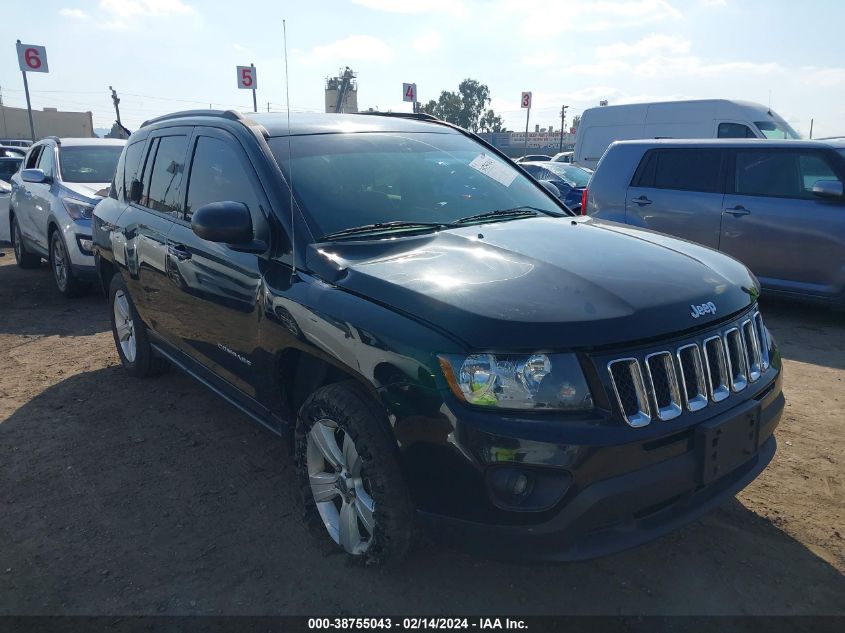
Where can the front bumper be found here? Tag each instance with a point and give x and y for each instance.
(603, 514)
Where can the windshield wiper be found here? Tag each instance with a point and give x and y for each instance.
(503, 214)
(386, 227)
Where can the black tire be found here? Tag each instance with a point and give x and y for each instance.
(145, 361)
(24, 258)
(66, 281)
(358, 415)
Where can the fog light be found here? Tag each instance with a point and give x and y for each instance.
(526, 489)
(519, 484)
(85, 245)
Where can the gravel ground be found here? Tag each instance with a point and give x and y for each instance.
(155, 497)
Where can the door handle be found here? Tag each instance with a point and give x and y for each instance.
(737, 211)
(642, 201)
(178, 251)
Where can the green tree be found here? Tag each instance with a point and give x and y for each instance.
(576, 121)
(466, 107)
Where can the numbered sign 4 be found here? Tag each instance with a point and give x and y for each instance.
(409, 92)
(247, 78)
(32, 58)
(526, 100)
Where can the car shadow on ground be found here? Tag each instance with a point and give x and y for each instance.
(807, 333)
(25, 294)
(124, 496)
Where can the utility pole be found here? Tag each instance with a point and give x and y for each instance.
(811, 120)
(268, 106)
(563, 110)
(115, 100)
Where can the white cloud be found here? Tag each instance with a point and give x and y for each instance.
(714, 3)
(77, 14)
(543, 58)
(667, 44)
(348, 49)
(589, 15)
(240, 48)
(119, 14)
(454, 7)
(427, 42)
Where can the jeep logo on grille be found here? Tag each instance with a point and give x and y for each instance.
(704, 308)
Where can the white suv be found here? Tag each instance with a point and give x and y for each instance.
(53, 196)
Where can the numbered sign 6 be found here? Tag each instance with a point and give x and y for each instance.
(409, 92)
(526, 100)
(32, 59)
(247, 78)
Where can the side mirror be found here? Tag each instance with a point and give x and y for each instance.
(227, 223)
(36, 176)
(828, 189)
(551, 188)
(136, 188)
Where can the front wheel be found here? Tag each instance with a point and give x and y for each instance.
(66, 281)
(350, 482)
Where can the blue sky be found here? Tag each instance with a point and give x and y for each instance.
(167, 55)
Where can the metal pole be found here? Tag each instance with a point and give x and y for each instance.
(811, 128)
(254, 98)
(562, 110)
(527, 116)
(28, 106)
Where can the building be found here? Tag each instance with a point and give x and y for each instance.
(342, 92)
(14, 123)
(541, 142)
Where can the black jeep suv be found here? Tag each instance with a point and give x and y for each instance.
(444, 343)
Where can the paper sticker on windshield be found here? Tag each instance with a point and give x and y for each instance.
(493, 169)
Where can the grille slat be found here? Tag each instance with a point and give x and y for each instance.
(693, 375)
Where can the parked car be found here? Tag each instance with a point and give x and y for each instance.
(570, 180)
(442, 344)
(53, 196)
(777, 206)
(8, 166)
(706, 118)
(14, 142)
(532, 158)
(8, 151)
(563, 157)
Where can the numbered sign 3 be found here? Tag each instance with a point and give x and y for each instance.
(247, 78)
(526, 100)
(32, 59)
(409, 92)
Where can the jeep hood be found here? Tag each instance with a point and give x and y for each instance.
(543, 283)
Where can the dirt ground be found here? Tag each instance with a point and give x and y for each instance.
(120, 496)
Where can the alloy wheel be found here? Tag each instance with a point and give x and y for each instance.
(336, 479)
(124, 326)
(59, 263)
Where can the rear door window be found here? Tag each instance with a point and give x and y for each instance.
(681, 170)
(165, 176)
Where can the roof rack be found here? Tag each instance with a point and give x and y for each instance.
(232, 115)
(419, 116)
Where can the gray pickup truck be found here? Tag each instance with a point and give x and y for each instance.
(777, 206)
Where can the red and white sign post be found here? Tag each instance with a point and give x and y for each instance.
(526, 103)
(31, 59)
(409, 93)
(248, 80)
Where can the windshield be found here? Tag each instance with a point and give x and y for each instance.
(348, 180)
(8, 167)
(89, 163)
(776, 129)
(571, 175)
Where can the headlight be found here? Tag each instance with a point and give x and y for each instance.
(507, 381)
(78, 209)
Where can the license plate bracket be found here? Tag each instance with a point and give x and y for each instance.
(726, 444)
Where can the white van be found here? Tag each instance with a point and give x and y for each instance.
(706, 118)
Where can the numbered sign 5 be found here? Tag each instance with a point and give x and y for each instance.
(526, 100)
(32, 59)
(409, 92)
(247, 78)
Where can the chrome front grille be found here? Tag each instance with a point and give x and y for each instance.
(662, 384)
